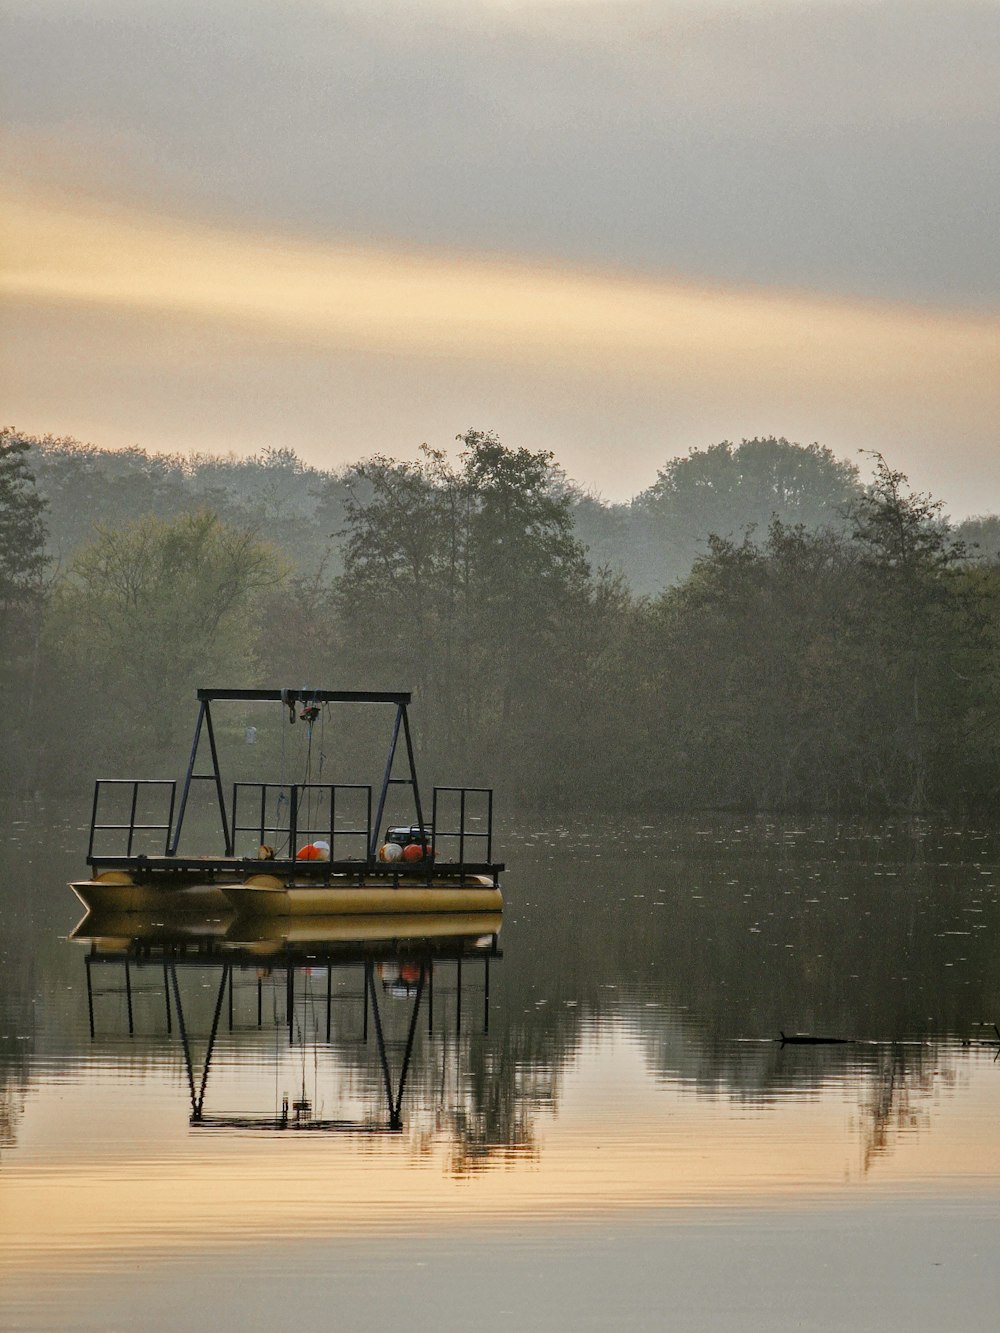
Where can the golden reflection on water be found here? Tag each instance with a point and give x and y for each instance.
(629, 1081)
(123, 1174)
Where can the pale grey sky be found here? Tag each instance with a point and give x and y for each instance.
(837, 149)
(845, 147)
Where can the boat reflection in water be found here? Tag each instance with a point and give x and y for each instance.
(443, 958)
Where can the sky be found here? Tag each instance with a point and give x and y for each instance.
(617, 229)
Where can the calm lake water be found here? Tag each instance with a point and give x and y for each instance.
(589, 1121)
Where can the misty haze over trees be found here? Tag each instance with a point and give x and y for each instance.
(758, 630)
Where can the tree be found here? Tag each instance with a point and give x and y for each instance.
(22, 529)
(85, 485)
(753, 700)
(22, 597)
(829, 670)
(922, 623)
(145, 615)
(729, 490)
(981, 537)
(467, 581)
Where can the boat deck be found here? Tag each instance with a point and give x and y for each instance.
(312, 872)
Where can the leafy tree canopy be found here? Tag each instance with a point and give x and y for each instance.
(22, 528)
(728, 490)
(150, 611)
(900, 529)
(466, 577)
(981, 537)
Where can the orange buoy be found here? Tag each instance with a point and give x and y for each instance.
(414, 851)
(314, 851)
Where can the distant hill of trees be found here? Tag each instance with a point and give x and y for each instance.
(652, 541)
(759, 629)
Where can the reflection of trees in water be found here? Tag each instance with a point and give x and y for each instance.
(454, 1082)
(899, 1080)
(744, 935)
(13, 1090)
(17, 1039)
(892, 1083)
(495, 1124)
(745, 929)
(485, 1102)
(479, 1091)
(732, 930)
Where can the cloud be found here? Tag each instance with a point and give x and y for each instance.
(615, 229)
(132, 326)
(842, 147)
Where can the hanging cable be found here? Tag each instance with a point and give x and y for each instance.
(322, 741)
(322, 762)
(282, 800)
(308, 777)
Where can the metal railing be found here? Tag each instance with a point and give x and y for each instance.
(131, 827)
(299, 799)
(463, 833)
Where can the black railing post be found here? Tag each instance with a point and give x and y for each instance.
(93, 823)
(461, 833)
(368, 819)
(332, 821)
(413, 773)
(234, 824)
(218, 781)
(373, 842)
(131, 818)
(172, 847)
(170, 817)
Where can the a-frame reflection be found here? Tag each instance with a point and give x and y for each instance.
(299, 1115)
(400, 969)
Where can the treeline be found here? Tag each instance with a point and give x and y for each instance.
(758, 630)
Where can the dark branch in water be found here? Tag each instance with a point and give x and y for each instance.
(804, 1040)
(815, 1041)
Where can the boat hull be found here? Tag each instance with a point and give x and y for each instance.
(268, 934)
(272, 896)
(112, 932)
(116, 891)
(268, 896)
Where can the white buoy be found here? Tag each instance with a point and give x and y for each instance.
(390, 851)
